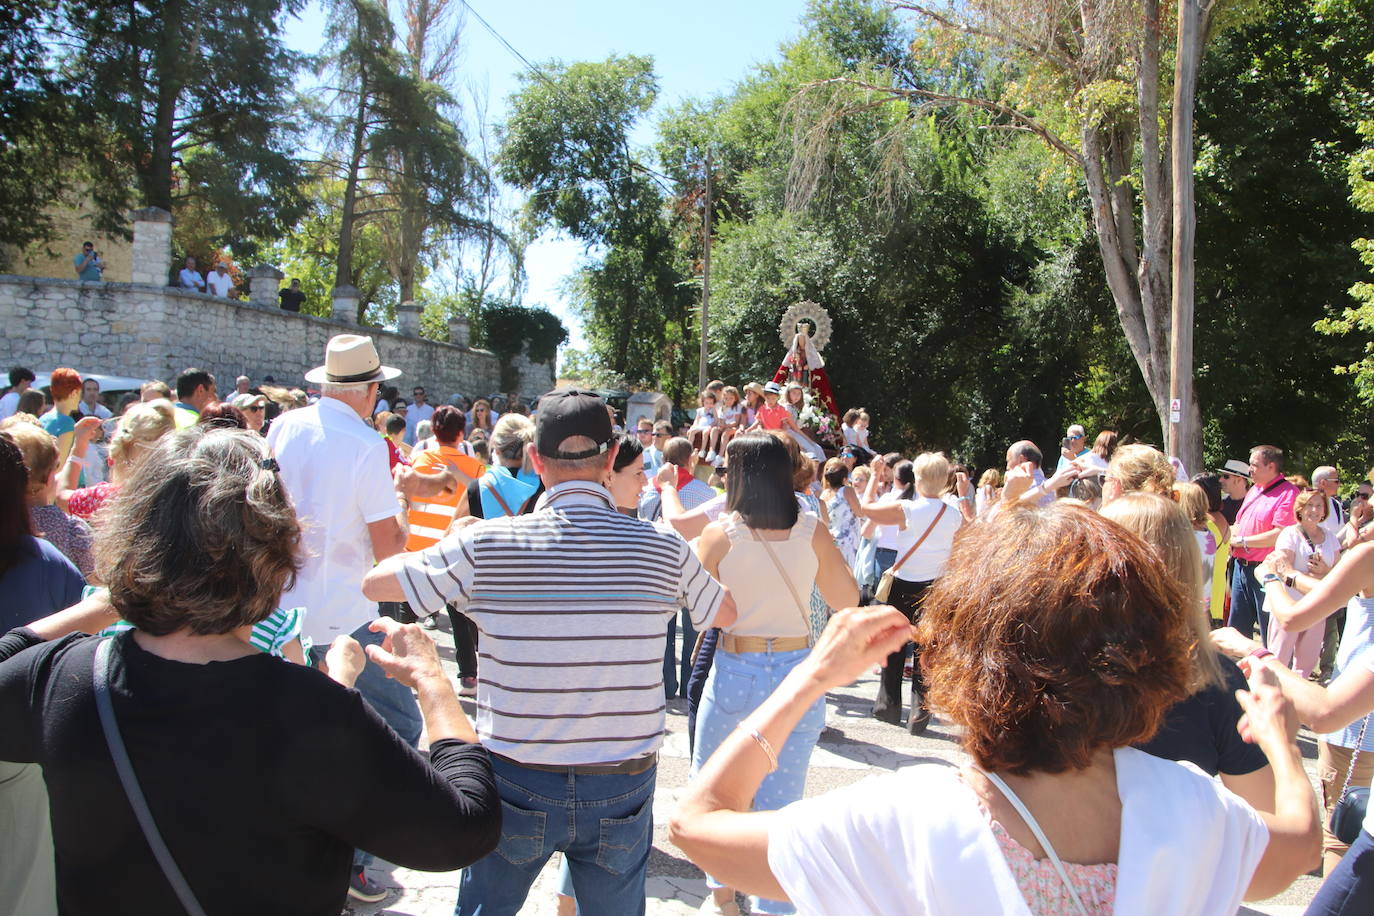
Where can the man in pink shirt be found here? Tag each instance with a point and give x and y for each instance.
(1267, 510)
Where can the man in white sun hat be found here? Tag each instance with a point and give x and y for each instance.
(335, 469)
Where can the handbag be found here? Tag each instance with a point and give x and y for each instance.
(884, 589)
(1347, 818)
(100, 675)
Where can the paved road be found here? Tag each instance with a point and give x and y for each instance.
(853, 746)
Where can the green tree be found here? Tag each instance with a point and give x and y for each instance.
(566, 142)
(1277, 121)
(1090, 81)
(192, 96)
(401, 159)
(37, 120)
(309, 252)
(1344, 80)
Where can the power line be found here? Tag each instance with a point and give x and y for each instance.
(629, 160)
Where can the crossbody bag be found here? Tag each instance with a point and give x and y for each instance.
(803, 609)
(884, 589)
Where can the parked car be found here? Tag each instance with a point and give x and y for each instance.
(112, 387)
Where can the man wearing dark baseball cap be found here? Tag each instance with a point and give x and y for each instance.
(565, 418)
(548, 590)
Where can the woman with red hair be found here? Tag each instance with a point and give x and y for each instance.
(65, 387)
(1056, 640)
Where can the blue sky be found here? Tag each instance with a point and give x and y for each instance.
(699, 49)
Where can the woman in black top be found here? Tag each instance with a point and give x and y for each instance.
(1201, 728)
(249, 763)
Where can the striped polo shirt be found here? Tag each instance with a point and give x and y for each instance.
(573, 601)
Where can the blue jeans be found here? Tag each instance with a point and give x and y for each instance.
(1349, 890)
(603, 824)
(696, 682)
(1247, 602)
(391, 700)
(738, 684)
(677, 665)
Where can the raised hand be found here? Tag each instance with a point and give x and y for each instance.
(344, 661)
(406, 653)
(854, 641)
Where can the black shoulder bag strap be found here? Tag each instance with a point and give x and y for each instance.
(100, 671)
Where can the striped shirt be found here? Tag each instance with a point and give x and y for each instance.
(572, 601)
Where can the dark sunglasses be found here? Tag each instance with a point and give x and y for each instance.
(256, 407)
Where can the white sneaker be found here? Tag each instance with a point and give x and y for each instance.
(702, 453)
(431, 622)
(709, 907)
(711, 458)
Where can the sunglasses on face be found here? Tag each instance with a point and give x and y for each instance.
(257, 407)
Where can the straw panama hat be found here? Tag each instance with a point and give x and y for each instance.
(351, 359)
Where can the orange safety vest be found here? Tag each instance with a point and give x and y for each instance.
(430, 519)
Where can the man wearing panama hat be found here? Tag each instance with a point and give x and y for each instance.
(335, 468)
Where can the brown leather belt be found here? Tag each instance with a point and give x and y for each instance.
(738, 644)
(631, 767)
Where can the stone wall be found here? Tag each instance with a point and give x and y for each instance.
(151, 331)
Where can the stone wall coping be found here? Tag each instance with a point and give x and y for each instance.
(151, 215)
(264, 270)
(190, 296)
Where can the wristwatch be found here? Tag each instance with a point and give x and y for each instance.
(1270, 577)
(1260, 652)
(1288, 580)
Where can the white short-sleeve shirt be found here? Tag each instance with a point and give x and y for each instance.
(917, 842)
(219, 284)
(336, 472)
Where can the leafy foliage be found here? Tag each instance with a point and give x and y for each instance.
(567, 143)
(505, 329)
(191, 96)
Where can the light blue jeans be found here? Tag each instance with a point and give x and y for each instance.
(738, 684)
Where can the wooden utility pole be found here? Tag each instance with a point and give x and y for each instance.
(703, 371)
(1185, 437)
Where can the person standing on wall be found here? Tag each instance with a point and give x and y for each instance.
(292, 298)
(190, 277)
(89, 267)
(219, 281)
